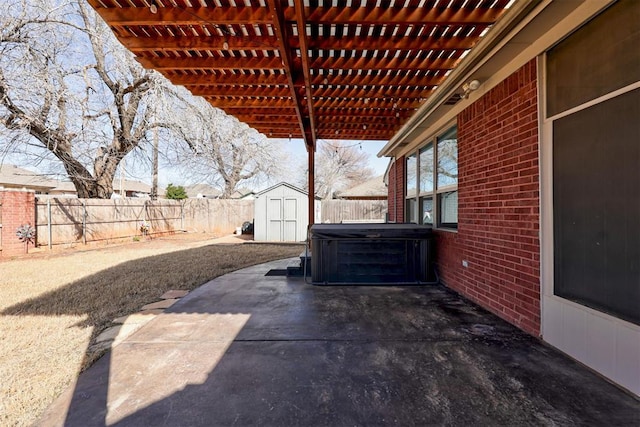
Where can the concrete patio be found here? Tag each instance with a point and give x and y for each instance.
(250, 349)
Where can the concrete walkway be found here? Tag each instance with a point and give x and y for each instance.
(249, 349)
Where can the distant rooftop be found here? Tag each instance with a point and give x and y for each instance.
(373, 188)
(203, 191)
(12, 176)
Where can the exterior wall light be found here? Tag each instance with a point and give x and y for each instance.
(469, 87)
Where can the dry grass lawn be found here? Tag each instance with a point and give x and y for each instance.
(53, 306)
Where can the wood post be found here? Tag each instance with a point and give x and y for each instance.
(312, 187)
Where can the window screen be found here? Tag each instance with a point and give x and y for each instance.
(599, 58)
(596, 170)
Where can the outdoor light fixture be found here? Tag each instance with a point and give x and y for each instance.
(469, 87)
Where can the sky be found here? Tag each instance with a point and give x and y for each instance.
(298, 155)
(372, 148)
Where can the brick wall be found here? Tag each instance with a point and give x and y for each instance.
(17, 208)
(396, 194)
(498, 210)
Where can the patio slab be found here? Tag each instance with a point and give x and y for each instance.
(246, 349)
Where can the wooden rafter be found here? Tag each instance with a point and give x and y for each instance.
(281, 32)
(310, 123)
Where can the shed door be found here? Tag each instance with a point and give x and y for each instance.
(282, 219)
(274, 219)
(290, 216)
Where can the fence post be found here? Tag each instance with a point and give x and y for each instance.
(84, 222)
(49, 225)
(182, 203)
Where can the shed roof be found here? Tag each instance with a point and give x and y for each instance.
(285, 184)
(306, 69)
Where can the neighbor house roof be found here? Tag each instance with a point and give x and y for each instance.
(242, 193)
(133, 186)
(203, 190)
(373, 188)
(64, 187)
(14, 177)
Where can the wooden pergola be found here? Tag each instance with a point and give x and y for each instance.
(341, 69)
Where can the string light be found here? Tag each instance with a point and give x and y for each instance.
(153, 8)
(338, 147)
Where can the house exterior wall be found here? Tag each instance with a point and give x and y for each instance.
(16, 208)
(395, 200)
(499, 203)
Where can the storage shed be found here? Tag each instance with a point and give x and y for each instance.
(281, 214)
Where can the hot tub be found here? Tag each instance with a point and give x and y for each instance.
(371, 254)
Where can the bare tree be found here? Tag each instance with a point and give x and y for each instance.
(338, 167)
(225, 152)
(69, 90)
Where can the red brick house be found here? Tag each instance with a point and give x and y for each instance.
(527, 164)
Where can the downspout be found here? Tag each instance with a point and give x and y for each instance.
(395, 190)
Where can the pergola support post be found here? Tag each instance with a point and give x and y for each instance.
(311, 150)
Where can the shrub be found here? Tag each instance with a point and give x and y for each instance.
(175, 192)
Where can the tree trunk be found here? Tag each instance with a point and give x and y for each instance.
(100, 188)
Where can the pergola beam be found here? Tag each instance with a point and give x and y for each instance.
(401, 15)
(170, 15)
(164, 44)
(384, 64)
(141, 43)
(211, 63)
(237, 79)
(248, 15)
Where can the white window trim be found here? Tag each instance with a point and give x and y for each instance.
(433, 140)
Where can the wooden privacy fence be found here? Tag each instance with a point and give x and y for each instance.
(1, 226)
(70, 220)
(337, 211)
(216, 215)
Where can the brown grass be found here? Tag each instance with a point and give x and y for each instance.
(52, 307)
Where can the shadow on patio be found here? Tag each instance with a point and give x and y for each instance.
(246, 349)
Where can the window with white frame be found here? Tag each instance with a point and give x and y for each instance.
(411, 187)
(432, 182)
